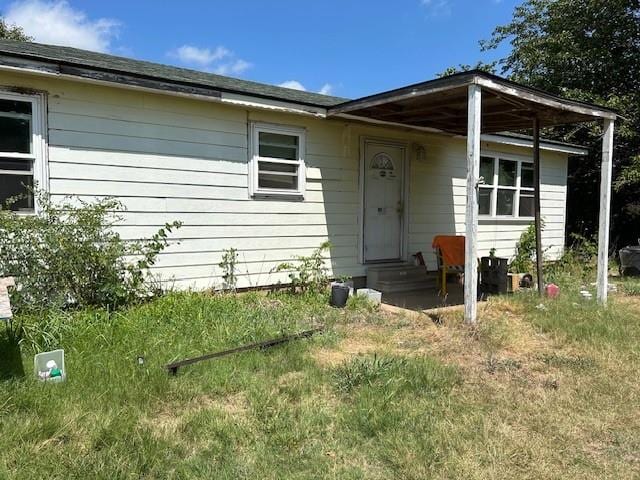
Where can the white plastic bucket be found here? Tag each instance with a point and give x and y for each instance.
(373, 295)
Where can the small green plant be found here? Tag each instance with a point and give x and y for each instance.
(360, 303)
(69, 255)
(310, 272)
(228, 266)
(525, 255)
(631, 287)
(365, 371)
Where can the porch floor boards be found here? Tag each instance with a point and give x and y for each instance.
(426, 298)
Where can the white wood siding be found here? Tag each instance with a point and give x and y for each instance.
(169, 159)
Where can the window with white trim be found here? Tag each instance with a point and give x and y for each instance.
(507, 190)
(277, 162)
(20, 149)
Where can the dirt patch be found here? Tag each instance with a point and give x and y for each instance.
(503, 347)
(358, 340)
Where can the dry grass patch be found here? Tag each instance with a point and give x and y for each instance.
(166, 422)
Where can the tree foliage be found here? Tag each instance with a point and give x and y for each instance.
(585, 50)
(13, 32)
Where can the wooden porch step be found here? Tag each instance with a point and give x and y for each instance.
(399, 278)
(406, 286)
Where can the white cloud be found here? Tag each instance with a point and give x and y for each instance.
(327, 89)
(235, 67)
(58, 23)
(220, 60)
(293, 84)
(200, 56)
(437, 7)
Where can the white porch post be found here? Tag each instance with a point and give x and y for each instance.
(605, 207)
(471, 215)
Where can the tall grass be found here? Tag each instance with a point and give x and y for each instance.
(103, 422)
(422, 401)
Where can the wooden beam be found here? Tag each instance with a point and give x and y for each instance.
(173, 367)
(605, 211)
(471, 213)
(536, 204)
(542, 98)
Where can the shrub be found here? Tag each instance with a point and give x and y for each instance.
(309, 273)
(69, 255)
(578, 262)
(523, 260)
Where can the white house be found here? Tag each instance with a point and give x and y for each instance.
(274, 172)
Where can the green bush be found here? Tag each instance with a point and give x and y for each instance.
(523, 260)
(310, 272)
(69, 255)
(576, 265)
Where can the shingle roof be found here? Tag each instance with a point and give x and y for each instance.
(111, 63)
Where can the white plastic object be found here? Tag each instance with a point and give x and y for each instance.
(41, 362)
(373, 295)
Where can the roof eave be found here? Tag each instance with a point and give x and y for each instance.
(464, 79)
(28, 63)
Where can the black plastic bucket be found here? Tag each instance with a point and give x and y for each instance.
(339, 295)
(630, 261)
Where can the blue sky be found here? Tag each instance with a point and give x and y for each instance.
(346, 48)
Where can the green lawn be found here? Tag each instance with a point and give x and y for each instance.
(532, 392)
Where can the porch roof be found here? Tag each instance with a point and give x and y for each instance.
(441, 104)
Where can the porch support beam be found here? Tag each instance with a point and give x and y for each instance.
(536, 203)
(474, 109)
(605, 213)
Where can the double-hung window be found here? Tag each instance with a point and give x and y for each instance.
(277, 160)
(21, 149)
(507, 190)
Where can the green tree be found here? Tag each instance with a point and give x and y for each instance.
(13, 32)
(585, 50)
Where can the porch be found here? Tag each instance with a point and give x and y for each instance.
(470, 104)
(413, 287)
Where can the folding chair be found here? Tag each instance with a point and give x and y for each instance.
(449, 251)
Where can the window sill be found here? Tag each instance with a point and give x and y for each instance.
(22, 213)
(291, 197)
(503, 220)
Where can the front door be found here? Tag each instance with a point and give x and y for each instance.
(383, 201)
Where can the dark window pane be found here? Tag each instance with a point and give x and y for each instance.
(15, 135)
(282, 182)
(504, 204)
(526, 205)
(526, 175)
(13, 106)
(507, 173)
(275, 145)
(13, 185)
(486, 169)
(279, 139)
(277, 167)
(15, 164)
(484, 201)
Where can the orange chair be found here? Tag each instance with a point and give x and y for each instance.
(449, 250)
